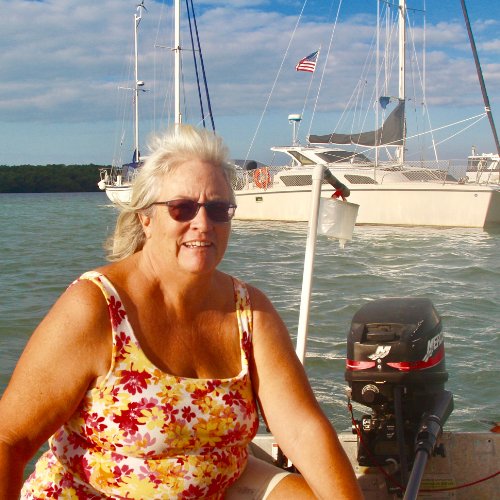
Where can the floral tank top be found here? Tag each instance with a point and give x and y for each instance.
(144, 434)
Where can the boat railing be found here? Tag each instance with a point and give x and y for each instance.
(483, 169)
(118, 175)
(267, 177)
(442, 171)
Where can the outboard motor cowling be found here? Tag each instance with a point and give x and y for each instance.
(396, 366)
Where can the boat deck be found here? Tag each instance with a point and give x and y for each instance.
(469, 458)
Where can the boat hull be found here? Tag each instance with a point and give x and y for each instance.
(119, 194)
(396, 204)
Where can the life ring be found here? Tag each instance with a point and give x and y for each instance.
(261, 177)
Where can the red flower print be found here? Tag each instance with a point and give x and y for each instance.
(233, 398)
(199, 394)
(193, 492)
(187, 413)
(124, 470)
(213, 384)
(122, 339)
(217, 485)
(115, 311)
(246, 342)
(249, 408)
(134, 381)
(54, 491)
(170, 412)
(80, 465)
(77, 442)
(94, 422)
(127, 420)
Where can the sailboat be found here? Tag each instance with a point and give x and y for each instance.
(392, 191)
(117, 180)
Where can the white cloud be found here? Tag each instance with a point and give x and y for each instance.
(63, 60)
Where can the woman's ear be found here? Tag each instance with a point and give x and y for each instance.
(145, 221)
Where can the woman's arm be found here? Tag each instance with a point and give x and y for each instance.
(291, 410)
(67, 352)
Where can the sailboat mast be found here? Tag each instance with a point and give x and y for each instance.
(137, 20)
(177, 63)
(402, 63)
(480, 76)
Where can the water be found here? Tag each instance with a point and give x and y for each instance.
(47, 240)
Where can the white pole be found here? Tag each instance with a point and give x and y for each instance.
(305, 298)
(402, 62)
(137, 19)
(177, 63)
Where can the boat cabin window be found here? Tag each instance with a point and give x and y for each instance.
(297, 180)
(360, 179)
(303, 160)
(428, 175)
(337, 156)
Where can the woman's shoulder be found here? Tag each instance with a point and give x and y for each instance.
(82, 299)
(258, 299)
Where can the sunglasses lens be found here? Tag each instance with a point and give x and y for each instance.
(182, 210)
(186, 210)
(219, 211)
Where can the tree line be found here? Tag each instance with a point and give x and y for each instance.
(49, 178)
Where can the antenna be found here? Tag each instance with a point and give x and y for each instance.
(295, 120)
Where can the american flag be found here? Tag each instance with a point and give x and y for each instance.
(308, 63)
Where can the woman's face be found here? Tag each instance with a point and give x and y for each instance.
(197, 245)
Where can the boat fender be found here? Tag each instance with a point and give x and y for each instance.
(261, 177)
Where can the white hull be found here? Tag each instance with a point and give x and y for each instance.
(469, 457)
(413, 194)
(402, 205)
(120, 194)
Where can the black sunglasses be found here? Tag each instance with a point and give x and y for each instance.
(186, 210)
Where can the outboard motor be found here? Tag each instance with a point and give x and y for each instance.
(396, 366)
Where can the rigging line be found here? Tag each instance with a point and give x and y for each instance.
(460, 131)
(195, 61)
(207, 94)
(157, 74)
(477, 119)
(324, 68)
(359, 122)
(424, 79)
(275, 82)
(422, 82)
(373, 53)
(307, 94)
(358, 91)
(480, 76)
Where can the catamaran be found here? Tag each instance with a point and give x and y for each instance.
(390, 190)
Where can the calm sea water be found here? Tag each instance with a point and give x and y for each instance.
(47, 240)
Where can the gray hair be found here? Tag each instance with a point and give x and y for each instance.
(177, 146)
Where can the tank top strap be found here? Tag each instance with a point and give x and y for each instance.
(108, 290)
(122, 332)
(244, 318)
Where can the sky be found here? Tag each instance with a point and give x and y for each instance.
(65, 67)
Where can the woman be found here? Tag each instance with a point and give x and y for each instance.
(146, 373)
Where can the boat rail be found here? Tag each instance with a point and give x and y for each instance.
(291, 176)
(118, 175)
